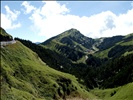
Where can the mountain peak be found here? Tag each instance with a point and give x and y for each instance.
(72, 32)
(73, 29)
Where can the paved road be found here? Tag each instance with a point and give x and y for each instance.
(4, 43)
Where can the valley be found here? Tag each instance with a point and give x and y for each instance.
(69, 66)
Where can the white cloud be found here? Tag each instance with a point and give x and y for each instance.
(8, 19)
(52, 8)
(53, 18)
(29, 8)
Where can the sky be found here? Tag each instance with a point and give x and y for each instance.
(38, 21)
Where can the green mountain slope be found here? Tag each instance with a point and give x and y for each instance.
(50, 57)
(75, 46)
(109, 42)
(115, 46)
(119, 93)
(4, 36)
(24, 76)
(97, 63)
(101, 66)
(71, 43)
(114, 63)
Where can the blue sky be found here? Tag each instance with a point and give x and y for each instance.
(40, 20)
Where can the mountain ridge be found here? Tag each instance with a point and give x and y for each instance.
(26, 68)
(101, 52)
(73, 40)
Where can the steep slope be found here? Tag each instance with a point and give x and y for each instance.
(109, 42)
(74, 46)
(56, 60)
(50, 57)
(119, 93)
(72, 38)
(25, 76)
(114, 63)
(115, 46)
(71, 43)
(111, 48)
(102, 67)
(4, 36)
(117, 72)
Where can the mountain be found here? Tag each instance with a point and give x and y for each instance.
(4, 36)
(72, 38)
(109, 42)
(71, 43)
(114, 61)
(37, 42)
(115, 46)
(104, 71)
(25, 76)
(75, 46)
(102, 54)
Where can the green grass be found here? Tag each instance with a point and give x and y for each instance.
(81, 60)
(124, 92)
(121, 93)
(127, 53)
(24, 77)
(102, 54)
(127, 43)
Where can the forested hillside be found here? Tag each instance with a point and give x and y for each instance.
(99, 69)
(94, 68)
